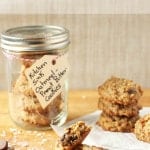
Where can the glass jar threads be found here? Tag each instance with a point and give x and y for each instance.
(37, 73)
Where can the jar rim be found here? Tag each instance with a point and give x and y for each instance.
(39, 38)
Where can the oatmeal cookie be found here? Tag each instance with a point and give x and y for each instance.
(22, 85)
(73, 136)
(116, 123)
(32, 112)
(118, 109)
(142, 128)
(35, 118)
(28, 60)
(32, 105)
(120, 91)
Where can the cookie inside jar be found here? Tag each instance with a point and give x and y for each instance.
(25, 107)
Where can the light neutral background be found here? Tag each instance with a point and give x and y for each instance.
(101, 44)
(75, 6)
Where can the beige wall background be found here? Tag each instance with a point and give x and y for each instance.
(101, 44)
(75, 6)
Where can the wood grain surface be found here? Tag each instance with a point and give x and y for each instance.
(80, 102)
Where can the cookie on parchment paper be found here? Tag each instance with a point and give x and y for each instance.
(117, 123)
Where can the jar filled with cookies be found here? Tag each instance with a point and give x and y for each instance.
(37, 73)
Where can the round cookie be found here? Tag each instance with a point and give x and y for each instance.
(33, 113)
(142, 128)
(117, 109)
(22, 85)
(117, 124)
(120, 91)
(32, 105)
(35, 118)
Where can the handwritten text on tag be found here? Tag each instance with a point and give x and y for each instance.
(47, 76)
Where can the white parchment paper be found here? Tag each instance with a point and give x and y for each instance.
(106, 139)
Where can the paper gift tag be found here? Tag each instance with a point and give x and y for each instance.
(47, 76)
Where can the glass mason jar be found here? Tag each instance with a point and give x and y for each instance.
(40, 101)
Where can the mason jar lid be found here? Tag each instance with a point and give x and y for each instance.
(38, 39)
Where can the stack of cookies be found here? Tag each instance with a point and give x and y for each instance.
(26, 107)
(119, 102)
